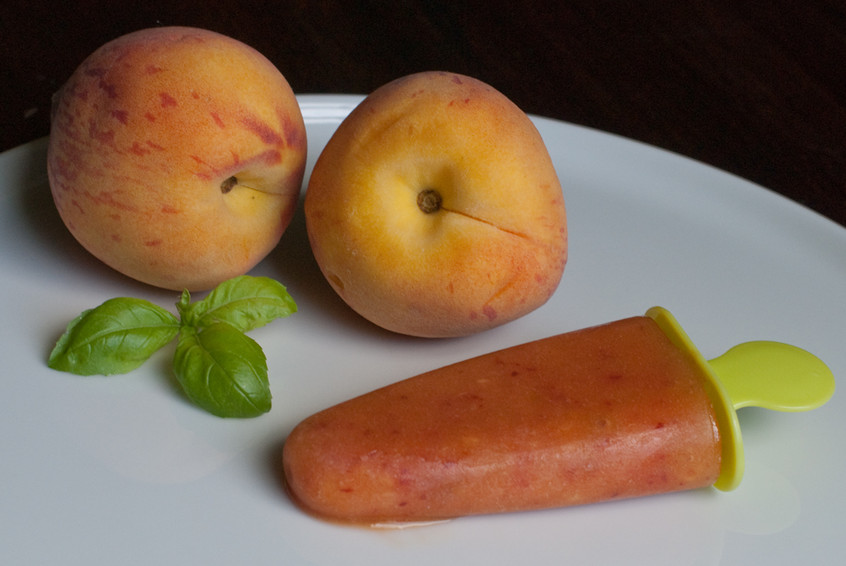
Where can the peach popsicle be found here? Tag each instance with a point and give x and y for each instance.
(620, 410)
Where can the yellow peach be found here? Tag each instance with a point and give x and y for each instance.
(176, 156)
(435, 209)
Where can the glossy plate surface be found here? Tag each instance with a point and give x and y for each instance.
(122, 470)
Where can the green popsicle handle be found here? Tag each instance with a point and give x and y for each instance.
(774, 376)
(764, 374)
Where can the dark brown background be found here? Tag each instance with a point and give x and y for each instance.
(754, 88)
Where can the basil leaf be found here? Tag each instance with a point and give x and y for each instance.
(115, 337)
(222, 370)
(244, 302)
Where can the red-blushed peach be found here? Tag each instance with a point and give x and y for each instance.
(435, 209)
(176, 156)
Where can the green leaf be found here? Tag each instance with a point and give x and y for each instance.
(222, 370)
(244, 302)
(115, 337)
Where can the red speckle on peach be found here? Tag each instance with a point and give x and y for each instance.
(167, 100)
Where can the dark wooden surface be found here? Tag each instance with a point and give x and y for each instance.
(755, 88)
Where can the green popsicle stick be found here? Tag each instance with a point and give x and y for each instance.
(764, 374)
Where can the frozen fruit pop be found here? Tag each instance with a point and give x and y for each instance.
(625, 409)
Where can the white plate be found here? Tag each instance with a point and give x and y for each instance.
(122, 470)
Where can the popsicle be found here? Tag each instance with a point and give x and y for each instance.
(624, 409)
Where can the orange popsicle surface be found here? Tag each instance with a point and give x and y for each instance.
(603, 413)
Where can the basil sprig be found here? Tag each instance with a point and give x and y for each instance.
(218, 366)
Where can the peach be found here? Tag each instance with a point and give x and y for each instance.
(435, 210)
(176, 156)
